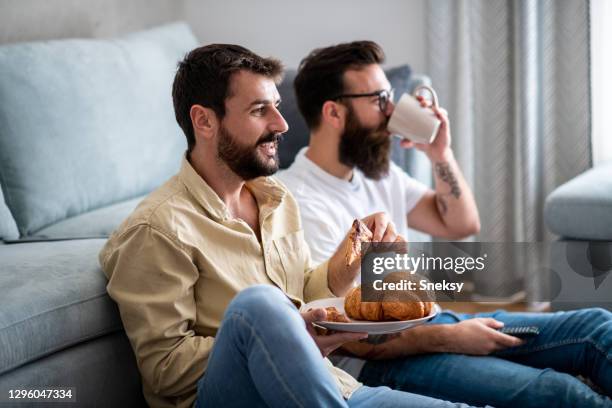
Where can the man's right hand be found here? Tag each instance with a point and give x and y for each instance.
(330, 342)
(478, 336)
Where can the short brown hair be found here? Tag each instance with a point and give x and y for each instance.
(203, 78)
(320, 74)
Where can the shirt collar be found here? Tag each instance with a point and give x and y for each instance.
(353, 184)
(267, 192)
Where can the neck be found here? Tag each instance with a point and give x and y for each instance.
(227, 184)
(323, 150)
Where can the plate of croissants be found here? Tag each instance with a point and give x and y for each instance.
(350, 314)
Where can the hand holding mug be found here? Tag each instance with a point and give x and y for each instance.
(422, 124)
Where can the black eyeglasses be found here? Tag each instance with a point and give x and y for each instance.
(384, 96)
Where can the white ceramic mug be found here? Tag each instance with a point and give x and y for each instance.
(411, 121)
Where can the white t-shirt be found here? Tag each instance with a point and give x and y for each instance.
(328, 204)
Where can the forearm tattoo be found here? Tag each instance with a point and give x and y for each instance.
(445, 173)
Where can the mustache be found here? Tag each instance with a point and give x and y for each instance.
(270, 137)
(383, 126)
(367, 148)
(377, 136)
(385, 123)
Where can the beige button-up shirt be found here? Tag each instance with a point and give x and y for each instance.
(176, 263)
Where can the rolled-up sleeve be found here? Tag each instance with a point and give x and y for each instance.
(152, 278)
(315, 283)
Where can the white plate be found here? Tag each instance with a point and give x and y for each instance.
(364, 326)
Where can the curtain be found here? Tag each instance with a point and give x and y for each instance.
(514, 76)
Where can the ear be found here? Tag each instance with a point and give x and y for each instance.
(334, 114)
(204, 121)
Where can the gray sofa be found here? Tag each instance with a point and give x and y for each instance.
(86, 130)
(580, 213)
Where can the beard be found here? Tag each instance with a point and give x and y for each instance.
(246, 161)
(368, 149)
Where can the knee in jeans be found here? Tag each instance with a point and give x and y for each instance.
(599, 314)
(601, 321)
(595, 317)
(259, 299)
(553, 381)
(561, 386)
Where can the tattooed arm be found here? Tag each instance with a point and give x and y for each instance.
(450, 211)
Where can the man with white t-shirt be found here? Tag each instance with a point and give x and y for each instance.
(346, 173)
(346, 170)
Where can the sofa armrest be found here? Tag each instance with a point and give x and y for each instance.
(582, 207)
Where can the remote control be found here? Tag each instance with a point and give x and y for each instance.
(521, 331)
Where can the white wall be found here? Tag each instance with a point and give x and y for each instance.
(286, 29)
(601, 66)
(289, 29)
(32, 20)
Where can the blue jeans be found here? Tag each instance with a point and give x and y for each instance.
(263, 356)
(539, 373)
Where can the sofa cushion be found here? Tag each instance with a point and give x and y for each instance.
(298, 134)
(582, 207)
(86, 122)
(102, 372)
(8, 228)
(53, 296)
(96, 223)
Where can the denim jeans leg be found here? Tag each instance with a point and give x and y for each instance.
(385, 397)
(534, 375)
(263, 356)
(574, 342)
(480, 380)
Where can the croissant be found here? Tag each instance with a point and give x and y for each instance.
(356, 309)
(388, 305)
(358, 234)
(334, 315)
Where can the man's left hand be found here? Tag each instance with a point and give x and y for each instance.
(439, 149)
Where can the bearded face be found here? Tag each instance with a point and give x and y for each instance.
(250, 161)
(366, 148)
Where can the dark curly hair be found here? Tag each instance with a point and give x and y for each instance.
(203, 78)
(320, 74)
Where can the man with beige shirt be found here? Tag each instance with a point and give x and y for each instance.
(210, 269)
